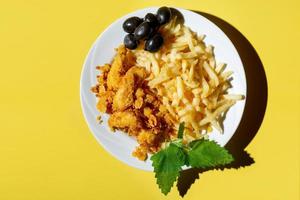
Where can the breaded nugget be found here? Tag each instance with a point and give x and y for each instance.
(124, 95)
(126, 120)
(134, 108)
(140, 152)
(102, 104)
(123, 60)
(146, 137)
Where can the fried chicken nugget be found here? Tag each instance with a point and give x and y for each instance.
(123, 60)
(124, 97)
(125, 120)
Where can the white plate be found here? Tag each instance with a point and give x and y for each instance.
(119, 144)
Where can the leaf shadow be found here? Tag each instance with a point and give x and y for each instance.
(256, 103)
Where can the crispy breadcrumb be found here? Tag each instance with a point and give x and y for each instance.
(122, 91)
(123, 60)
(124, 97)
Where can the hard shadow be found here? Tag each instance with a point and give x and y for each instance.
(256, 102)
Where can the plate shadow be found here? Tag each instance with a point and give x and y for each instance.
(255, 107)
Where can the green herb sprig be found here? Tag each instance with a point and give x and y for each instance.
(200, 153)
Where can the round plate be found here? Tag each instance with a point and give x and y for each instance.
(119, 144)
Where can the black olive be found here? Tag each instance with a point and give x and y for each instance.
(130, 42)
(131, 23)
(154, 43)
(151, 33)
(142, 31)
(163, 15)
(151, 18)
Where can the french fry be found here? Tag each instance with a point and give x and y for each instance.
(220, 68)
(226, 75)
(192, 86)
(196, 101)
(211, 73)
(155, 67)
(179, 86)
(205, 87)
(233, 96)
(196, 91)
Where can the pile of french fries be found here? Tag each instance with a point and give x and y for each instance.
(192, 86)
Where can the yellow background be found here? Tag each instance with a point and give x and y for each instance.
(46, 149)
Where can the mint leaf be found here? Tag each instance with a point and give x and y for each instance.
(167, 164)
(180, 130)
(178, 143)
(205, 153)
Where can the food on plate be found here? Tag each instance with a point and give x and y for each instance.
(163, 15)
(130, 42)
(131, 23)
(123, 93)
(145, 30)
(191, 84)
(149, 94)
(154, 43)
(165, 88)
(151, 18)
(142, 31)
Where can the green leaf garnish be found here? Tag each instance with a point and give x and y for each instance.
(180, 130)
(205, 153)
(167, 165)
(178, 142)
(201, 153)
